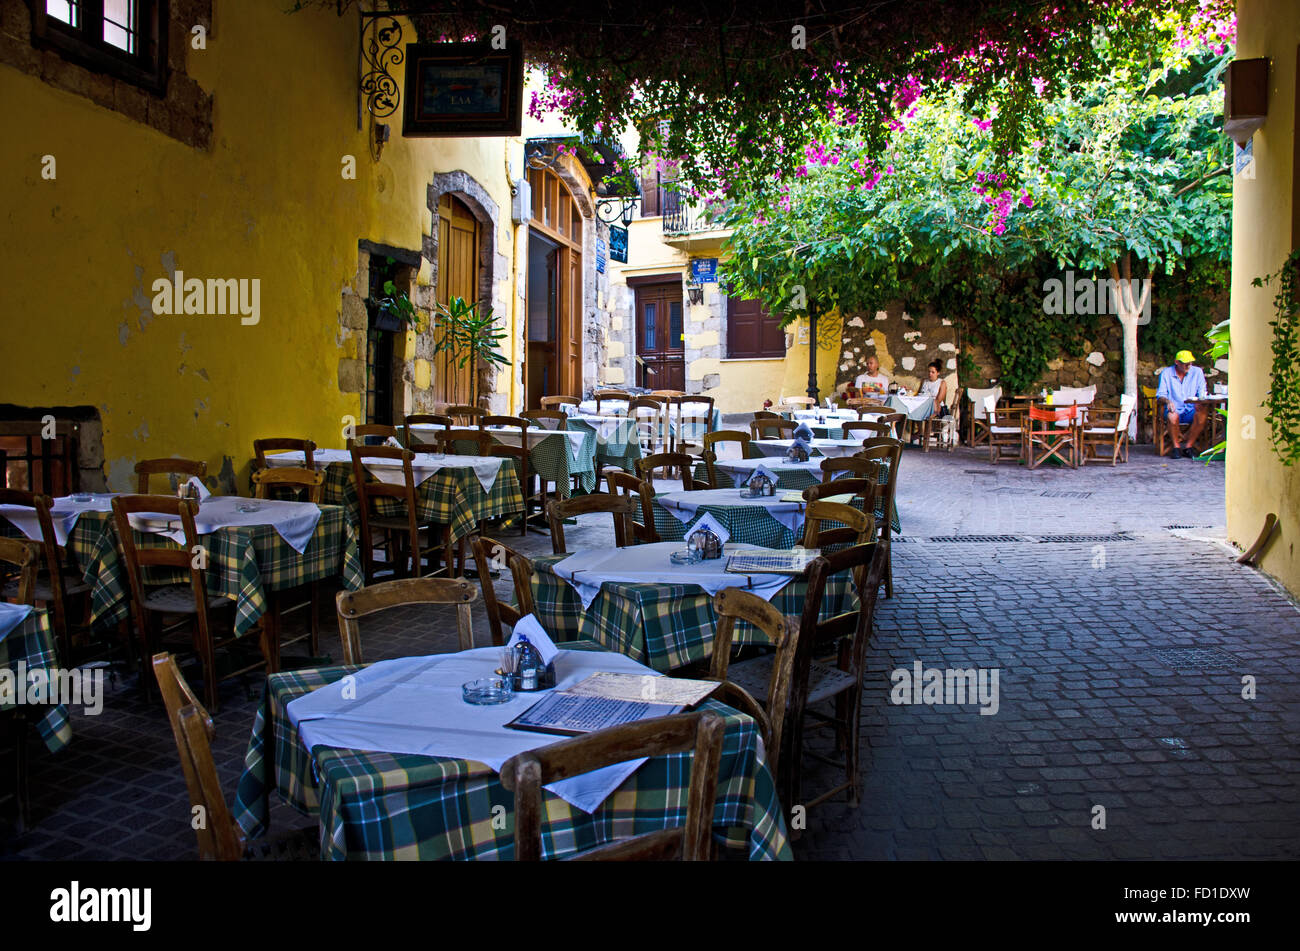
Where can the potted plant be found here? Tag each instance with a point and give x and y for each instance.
(468, 336)
(395, 311)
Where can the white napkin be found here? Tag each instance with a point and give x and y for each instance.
(708, 521)
(531, 628)
(765, 471)
(199, 486)
(414, 705)
(11, 615)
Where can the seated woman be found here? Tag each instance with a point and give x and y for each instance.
(936, 388)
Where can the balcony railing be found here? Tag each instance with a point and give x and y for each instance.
(678, 216)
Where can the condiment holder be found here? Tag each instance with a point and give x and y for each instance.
(706, 543)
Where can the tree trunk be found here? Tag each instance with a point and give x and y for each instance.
(1130, 311)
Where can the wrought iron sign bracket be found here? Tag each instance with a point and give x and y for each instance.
(379, 50)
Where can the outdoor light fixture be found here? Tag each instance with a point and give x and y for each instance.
(695, 291)
(608, 212)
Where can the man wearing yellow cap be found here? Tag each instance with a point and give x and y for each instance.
(1180, 383)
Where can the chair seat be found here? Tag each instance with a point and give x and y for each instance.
(72, 585)
(179, 599)
(754, 675)
(1100, 430)
(1005, 430)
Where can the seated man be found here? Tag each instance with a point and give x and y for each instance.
(1179, 383)
(873, 382)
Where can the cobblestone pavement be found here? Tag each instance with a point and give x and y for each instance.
(1091, 712)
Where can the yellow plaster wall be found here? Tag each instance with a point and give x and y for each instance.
(268, 201)
(795, 379)
(1257, 482)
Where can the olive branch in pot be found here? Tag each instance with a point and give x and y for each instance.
(467, 336)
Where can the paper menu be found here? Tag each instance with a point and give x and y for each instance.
(531, 628)
(708, 521)
(648, 688)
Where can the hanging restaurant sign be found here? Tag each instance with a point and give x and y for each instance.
(618, 244)
(463, 89)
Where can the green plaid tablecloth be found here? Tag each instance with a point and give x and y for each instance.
(385, 806)
(619, 449)
(32, 642)
(800, 479)
(554, 460)
(451, 496)
(664, 626)
(751, 524)
(243, 564)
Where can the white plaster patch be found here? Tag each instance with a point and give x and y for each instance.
(919, 346)
(909, 363)
(948, 347)
(881, 315)
(856, 322)
(1095, 358)
(911, 335)
(947, 322)
(952, 363)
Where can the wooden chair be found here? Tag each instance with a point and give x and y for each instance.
(856, 527)
(895, 420)
(57, 584)
(366, 431)
(309, 482)
(766, 414)
(551, 402)
(1148, 413)
(152, 605)
(943, 430)
(178, 467)
(794, 401)
(871, 427)
(759, 686)
(772, 429)
(1161, 435)
(889, 454)
(406, 525)
(977, 417)
(353, 605)
(860, 468)
(865, 405)
(540, 416)
(521, 454)
(284, 444)
(690, 419)
(710, 453)
(441, 438)
(22, 557)
(1044, 439)
(700, 733)
(651, 422)
(219, 836)
(490, 555)
(641, 493)
(817, 682)
(463, 415)
(1106, 433)
(557, 510)
(1005, 431)
(647, 466)
(612, 396)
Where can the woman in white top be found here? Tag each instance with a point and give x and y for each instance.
(936, 388)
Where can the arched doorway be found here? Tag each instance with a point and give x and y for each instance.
(459, 275)
(553, 366)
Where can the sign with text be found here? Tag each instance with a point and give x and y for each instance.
(704, 270)
(618, 244)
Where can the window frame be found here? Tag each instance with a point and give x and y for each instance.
(146, 68)
(759, 353)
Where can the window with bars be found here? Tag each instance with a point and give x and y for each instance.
(122, 38)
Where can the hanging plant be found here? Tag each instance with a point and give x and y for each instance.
(1283, 400)
(395, 312)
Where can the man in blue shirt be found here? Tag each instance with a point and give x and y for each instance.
(1179, 383)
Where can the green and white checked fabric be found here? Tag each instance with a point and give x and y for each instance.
(243, 564)
(451, 496)
(664, 626)
(385, 806)
(620, 448)
(791, 478)
(554, 459)
(751, 524)
(32, 642)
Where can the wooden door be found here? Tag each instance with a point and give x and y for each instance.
(570, 353)
(458, 276)
(659, 340)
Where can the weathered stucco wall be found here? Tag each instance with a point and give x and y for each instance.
(1266, 226)
(266, 200)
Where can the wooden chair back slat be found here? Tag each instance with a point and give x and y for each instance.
(772, 429)
(414, 443)
(647, 466)
(354, 605)
(526, 774)
(370, 490)
(310, 480)
(465, 415)
(23, 556)
(284, 444)
(557, 510)
(551, 402)
(640, 493)
(857, 528)
(488, 554)
(146, 468)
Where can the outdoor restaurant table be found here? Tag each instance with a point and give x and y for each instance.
(663, 624)
(449, 488)
(555, 455)
(616, 438)
(30, 640)
(914, 407)
(829, 448)
(588, 408)
(386, 806)
(767, 521)
(245, 561)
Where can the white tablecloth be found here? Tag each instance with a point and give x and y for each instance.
(63, 513)
(607, 426)
(831, 448)
(11, 615)
(742, 470)
(510, 437)
(414, 705)
(916, 407)
(586, 571)
(389, 471)
(295, 522)
(683, 505)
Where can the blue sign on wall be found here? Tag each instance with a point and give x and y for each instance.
(618, 244)
(600, 255)
(704, 270)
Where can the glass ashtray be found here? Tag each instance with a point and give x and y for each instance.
(686, 556)
(249, 507)
(486, 691)
(82, 497)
